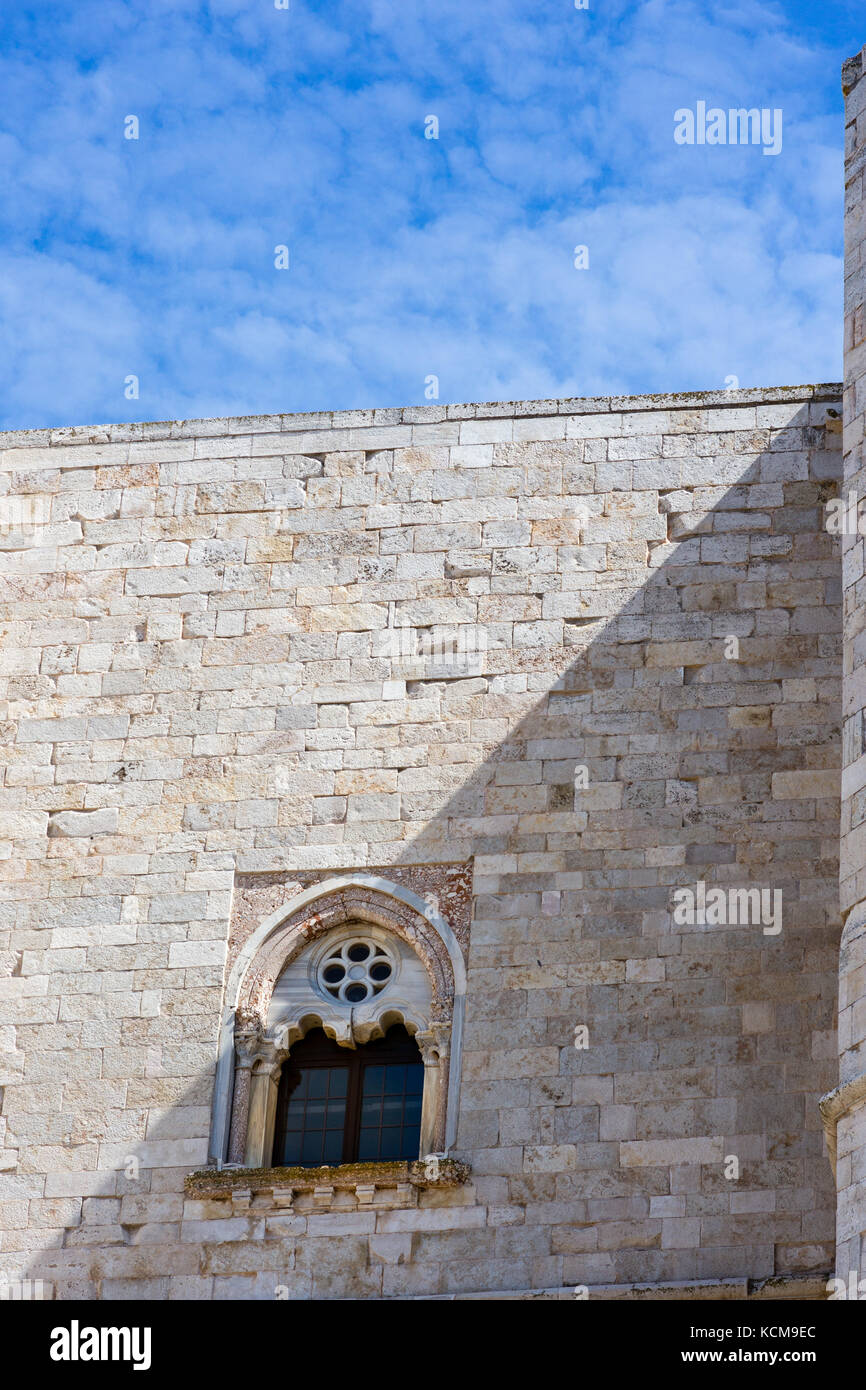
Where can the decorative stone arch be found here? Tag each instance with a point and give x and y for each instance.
(255, 1040)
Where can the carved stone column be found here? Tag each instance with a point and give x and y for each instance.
(433, 1046)
(263, 1105)
(247, 1041)
(258, 1060)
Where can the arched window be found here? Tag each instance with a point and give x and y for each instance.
(337, 1105)
(359, 985)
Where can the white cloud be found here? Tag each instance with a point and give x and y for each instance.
(409, 256)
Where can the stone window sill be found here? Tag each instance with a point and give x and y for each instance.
(345, 1187)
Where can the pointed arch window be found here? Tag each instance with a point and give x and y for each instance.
(375, 979)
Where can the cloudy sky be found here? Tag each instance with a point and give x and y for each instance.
(410, 257)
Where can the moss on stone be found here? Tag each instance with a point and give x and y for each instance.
(208, 1181)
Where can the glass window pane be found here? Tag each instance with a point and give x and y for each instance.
(315, 1118)
(292, 1150)
(311, 1148)
(333, 1147)
(368, 1145)
(374, 1078)
(395, 1079)
(391, 1144)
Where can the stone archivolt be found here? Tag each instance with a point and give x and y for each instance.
(336, 909)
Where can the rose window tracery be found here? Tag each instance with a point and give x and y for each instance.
(355, 970)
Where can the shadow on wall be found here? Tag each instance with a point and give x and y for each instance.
(706, 761)
(649, 753)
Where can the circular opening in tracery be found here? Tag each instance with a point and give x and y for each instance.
(354, 970)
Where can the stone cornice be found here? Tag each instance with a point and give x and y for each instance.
(360, 420)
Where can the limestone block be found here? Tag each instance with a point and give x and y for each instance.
(83, 823)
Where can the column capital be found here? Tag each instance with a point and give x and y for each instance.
(255, 1049)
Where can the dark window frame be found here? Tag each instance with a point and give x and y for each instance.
(317, 1051)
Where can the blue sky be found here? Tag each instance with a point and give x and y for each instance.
(410, 257)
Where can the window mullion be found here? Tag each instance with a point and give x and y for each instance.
(352, 1131)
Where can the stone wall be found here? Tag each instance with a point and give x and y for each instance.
(848, 1106)
(207, 675)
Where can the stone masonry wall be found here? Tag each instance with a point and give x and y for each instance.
(197, 686)
(851, 1102)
